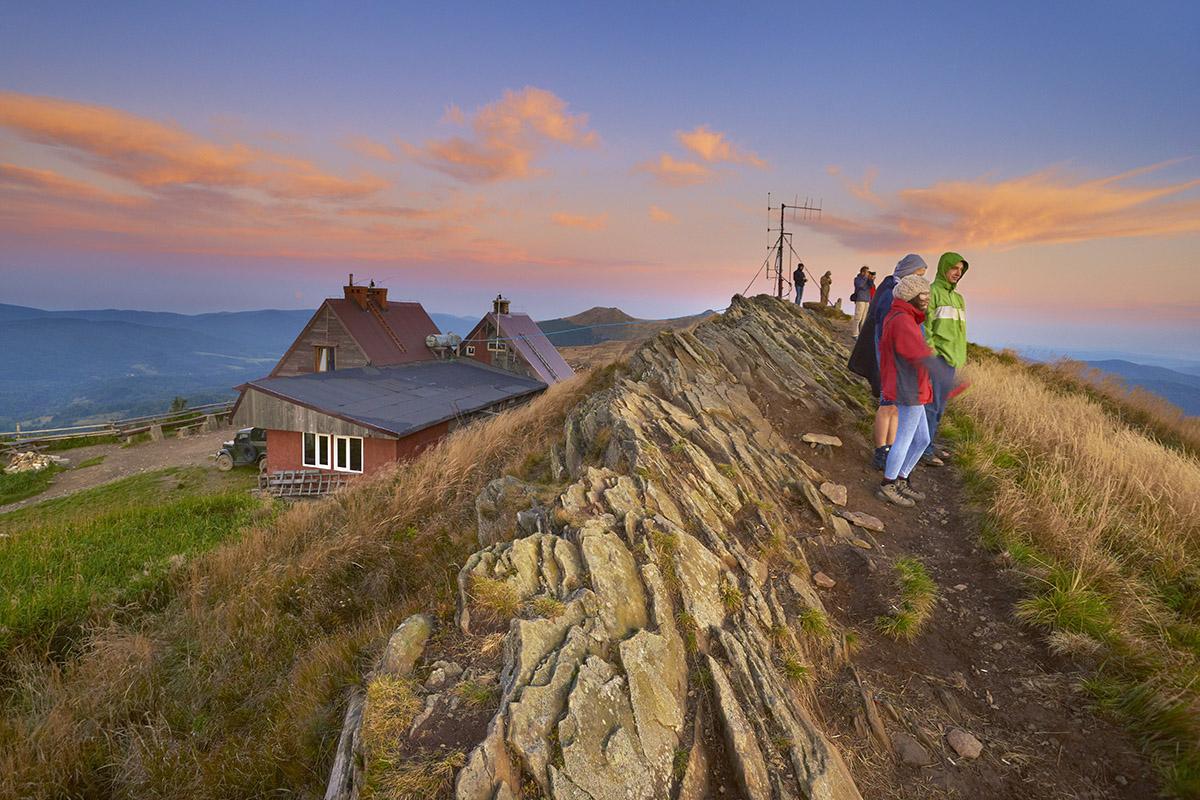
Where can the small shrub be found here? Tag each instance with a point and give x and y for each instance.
(477, 694)
(918, 593)
(728, 470)
(679, 762)
(495, 598)
(793, 670)
(546, 606)
(688, 630)
(814, 623)
(731, 598)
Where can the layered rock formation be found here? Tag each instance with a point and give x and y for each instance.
(667, 615)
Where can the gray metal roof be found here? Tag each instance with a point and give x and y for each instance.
(405, 398)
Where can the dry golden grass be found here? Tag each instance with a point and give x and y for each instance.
(236, 688)
(1135, 406)
(1107, 521)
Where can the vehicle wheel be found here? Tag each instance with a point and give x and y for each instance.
(224, 462)
(262, 462)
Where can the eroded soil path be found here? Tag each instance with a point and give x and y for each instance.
(973, 667)
(121, 462)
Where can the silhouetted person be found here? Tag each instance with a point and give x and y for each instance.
(826, 283)
(798, 280)
(861, 298)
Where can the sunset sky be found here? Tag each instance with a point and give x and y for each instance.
(571, 155)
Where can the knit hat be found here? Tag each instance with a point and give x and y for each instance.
(910, 286)
(908, 265)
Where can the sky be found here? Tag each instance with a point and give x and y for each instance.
(190, 158)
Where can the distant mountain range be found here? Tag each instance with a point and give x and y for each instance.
(67, 367)
(1179, 388)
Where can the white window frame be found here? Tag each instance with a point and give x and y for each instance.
(362, 454)
(470, 349)
(317, 448)
(324, 359)
(497, 346)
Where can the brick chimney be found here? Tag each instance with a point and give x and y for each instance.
(356, 293)
(500, 305)
(378, 295)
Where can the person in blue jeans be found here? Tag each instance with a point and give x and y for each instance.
(798, 280)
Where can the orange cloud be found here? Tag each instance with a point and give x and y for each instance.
(673, 172)
(508, 135)
(1045, 207)
(662, 215)
(370, 148)
(48, 183)
(712, 146)
(584, 222)
(152, 154)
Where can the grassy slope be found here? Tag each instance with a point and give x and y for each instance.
(1086, 498)
(113, 545)
(235, 688)
(17, 486)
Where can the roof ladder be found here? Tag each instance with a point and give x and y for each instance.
(391, 333)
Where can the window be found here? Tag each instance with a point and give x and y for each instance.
(470, 349)
(323, 358)
(348, 453)
(497, 346)
(316, 450)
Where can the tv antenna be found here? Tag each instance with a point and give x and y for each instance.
(800, 212)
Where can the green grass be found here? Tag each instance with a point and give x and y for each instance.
(918, 593)
(67, 559)
(94, 461)
(18, 486)
(81, 441)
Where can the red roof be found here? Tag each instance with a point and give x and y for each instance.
(530, 341)
(392, 336)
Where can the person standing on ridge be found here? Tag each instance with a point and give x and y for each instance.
(946, 332)
(864, 360)
(861, 298)
(826, 284)
(798, 280)
(871, 284)
(906, 370)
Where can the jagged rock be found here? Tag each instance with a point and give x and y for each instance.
(599, 740)
(861, 543)
(822, 439)
(823, 580)
(405, 646)
(836, 493)
(863, 520)
(748, 764)
(963, 743)
(663, 468)
(443, 674)
(910, 751)
(496, 508)
(842, 529)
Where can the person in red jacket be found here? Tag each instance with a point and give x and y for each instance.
(904, 364)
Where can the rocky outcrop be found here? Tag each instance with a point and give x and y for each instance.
(653, 634)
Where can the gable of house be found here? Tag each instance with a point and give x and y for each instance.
(325, 329)
(515, 343)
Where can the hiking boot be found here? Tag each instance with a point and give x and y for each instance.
(889, 493)
(932, 461)
(905, 488)
(879, 461)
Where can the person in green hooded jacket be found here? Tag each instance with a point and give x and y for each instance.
(946, 332)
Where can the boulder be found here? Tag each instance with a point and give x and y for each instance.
(405, 646)
(821, 439)
(835, 492)
(963, 743)
(863, 520)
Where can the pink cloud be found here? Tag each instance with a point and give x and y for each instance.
(365, 146)
(1045, 207)
(714, 147)
(582, 221)
(661, 215)
(153, 154)
(671, 171)
(507, 137)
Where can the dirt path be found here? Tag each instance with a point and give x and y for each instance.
(121, 462)
(973, 666)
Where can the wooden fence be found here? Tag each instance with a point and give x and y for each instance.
(120, 428)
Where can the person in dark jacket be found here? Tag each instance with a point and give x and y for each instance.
(905, 361)
(861, 298)
(798, 280)
(864, 360)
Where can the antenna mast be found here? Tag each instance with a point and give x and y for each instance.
(806, 210)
